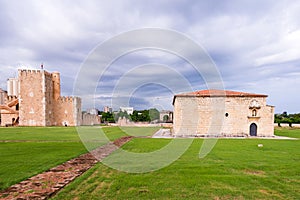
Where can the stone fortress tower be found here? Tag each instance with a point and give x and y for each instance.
(41, 103)
(34, 99)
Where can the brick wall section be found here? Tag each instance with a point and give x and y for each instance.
(194, 116)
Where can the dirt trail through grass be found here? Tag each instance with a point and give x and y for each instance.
(45, 185)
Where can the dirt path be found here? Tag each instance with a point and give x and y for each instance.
(46, 184)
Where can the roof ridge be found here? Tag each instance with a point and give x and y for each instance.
(220, 93)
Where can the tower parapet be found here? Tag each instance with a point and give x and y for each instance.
(33, 71)
(56, 85)
(66, 99)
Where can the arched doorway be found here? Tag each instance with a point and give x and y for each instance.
(253, 129)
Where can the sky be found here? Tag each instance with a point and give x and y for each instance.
(252, 46)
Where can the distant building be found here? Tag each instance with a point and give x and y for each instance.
(90, 119)
(92, 111)
(13, 87)
(107, 109)
(166, 116)
(9, 109)
(3, 96)
(242, 114)
(129, 110)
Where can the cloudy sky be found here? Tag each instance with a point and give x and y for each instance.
(254, 46)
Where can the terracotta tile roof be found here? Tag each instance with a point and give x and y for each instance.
(219, 93)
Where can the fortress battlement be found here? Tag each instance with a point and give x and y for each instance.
(68, 99)
(54, 74)
(33, 71)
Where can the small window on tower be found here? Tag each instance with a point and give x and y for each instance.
(226, 114)
(254, 113)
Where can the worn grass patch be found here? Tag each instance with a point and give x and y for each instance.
(235, 169)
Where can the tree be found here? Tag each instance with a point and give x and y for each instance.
(145, 115)
(107, 117)
(284, 114)
(153, 114)
(287, 118)
(121, 115)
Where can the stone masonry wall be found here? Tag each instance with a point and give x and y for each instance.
(6, 119)
(67, 111)
(90, 119)
(48, 98)
(207, 116)
(32, 98)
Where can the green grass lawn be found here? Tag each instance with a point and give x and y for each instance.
(27, 151)
(288, 132)
(39, 134)
(117, 132)
(234, 169)
(21, 160)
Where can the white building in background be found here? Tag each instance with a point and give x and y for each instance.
(13, 87)
(129, 110)
(107, 109)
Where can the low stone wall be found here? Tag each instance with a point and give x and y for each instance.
(286, 125)
(142, 124)
(90, 119)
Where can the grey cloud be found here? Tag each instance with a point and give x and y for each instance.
(251, 42)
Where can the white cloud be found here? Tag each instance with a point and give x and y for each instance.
(284, 50)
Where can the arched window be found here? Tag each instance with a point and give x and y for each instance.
(254, 113)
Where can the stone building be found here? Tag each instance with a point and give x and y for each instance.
(222, 114)
(3, 96)
(129, 110)
(107, 109)
(166, 116)
(34, 99)
(90, 119)
(9, 109)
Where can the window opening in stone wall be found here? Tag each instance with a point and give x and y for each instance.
(254, 113)
(226, 114)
